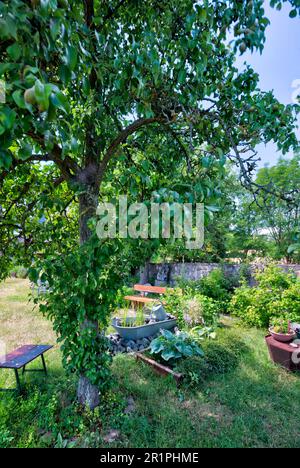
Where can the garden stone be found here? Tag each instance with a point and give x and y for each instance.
(48, 438)
(130, 406)
(131, 344)
(111, 436)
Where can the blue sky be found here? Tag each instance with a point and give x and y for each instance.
(279, 64)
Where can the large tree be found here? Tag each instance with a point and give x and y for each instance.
(88, 81)
(280, 217)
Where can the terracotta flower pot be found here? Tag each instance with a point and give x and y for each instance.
(283, 337)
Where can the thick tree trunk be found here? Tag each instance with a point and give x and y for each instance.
(87, 393)
(88, 203)
(144, 273)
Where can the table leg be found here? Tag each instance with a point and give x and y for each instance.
(17, 379)
(44, 364)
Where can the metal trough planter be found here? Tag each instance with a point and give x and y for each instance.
(143, 331)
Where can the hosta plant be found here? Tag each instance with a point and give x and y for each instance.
(172, 347)
(200, 333)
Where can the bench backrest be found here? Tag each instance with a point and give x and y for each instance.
(150, 289)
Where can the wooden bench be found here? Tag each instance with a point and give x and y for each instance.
(145, 289)
(19, 358)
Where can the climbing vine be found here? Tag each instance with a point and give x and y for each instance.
(81, 295)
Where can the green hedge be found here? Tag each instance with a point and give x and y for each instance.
(220, 356)
(276, 295)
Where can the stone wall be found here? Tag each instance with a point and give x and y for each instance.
(167, 273)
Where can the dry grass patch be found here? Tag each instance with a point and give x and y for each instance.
(21, 324)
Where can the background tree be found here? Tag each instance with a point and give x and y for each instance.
(279, 216)
(83, 79)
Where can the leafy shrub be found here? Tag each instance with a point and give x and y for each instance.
(220, 356)
(275, 278)
(289, 302)
(277, 294)
(5, 437)
(171, 347)
(215, 286)
(200, 333)
(201, 310)
(174, 304)
(122, 303)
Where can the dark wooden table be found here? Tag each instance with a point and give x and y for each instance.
(284, 354)
(19, 358)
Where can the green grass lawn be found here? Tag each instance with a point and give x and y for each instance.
(254, 405)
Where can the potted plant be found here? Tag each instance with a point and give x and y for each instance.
(143, 325)
(281, 330)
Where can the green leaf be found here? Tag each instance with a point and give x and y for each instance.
(167, 334)
(5, 159)
(33, 274)
(202, 14)
(167, 355)
(182, 76)
(4, 32)
(293, 14)
(42, 93)
(6, 141)
(60, 101)
(294, 248)
(12, 26)
(14, 51)
(54, 28)
(7, 118)
(71, 57)
(156, 347)
(64, 74)
(25, 152)
(206, 162)
(18, 97)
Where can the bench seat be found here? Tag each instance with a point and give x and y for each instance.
(140, 299)
(20, 357)
(146, 289)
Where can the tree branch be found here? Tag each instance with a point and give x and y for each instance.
(112, 11)
(89, 12)
(121, 138)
